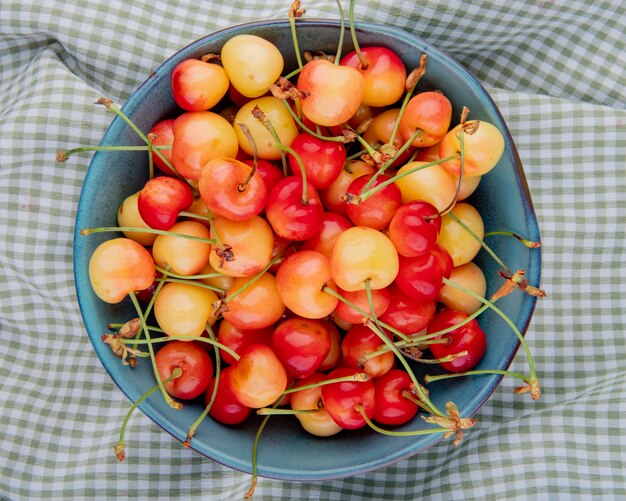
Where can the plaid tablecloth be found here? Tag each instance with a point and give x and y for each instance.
(556, 69)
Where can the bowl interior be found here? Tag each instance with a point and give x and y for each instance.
(286, 451)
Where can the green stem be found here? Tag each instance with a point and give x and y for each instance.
(305, 197)
(187, 277)
(438, 377)
(355, 42)
(527, 243)
(341, 33)
(106, 229)
(167, 339)
(195, 283)
(396, 433)
(298, 120)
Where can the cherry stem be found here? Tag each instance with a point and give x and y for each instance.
(64, 155)
(420, 390)
(293, 13)
(195, 283)
(167, 339)
(527, 243)
(370, 302)
(341, 32)
(396, 433)
(218, 367)
(533, 373)
(452, 203)
(334, 293)
(105, 229)
(255, 155)
(188, 277)
(267, 123)
(305, 196)
(268, 411)
(355, 42)
(431, 378)
(170, 401)
(358, 377)
(109, 105)
(298, 120)
(119, 447)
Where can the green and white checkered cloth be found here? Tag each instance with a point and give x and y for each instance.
(556, 69)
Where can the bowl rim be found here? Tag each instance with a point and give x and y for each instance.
(387, 30)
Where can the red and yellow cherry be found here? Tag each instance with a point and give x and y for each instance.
(468, 276)
(453, 237)
(392, 407)
(236, 339)
(332, 93)
(301, 345)
(128, 215)
(333, 225)
(252, 64)
(183, 309)
(258, 378)
(322, 159)
(429, 113)
(198, 85)
(469, 337)
(120, 266)
(278, 115)
(162, 134)
(230, 189)
(290, 216)
(332, 196)
(360, 341)
(195, 364)
(380, 302)
(226, 409)
(300, 280)
(200, 136)
(414, 228)
(361, 254)
(482, 149)
(384, 74)
(380, 131)
(341, 399)
(405, 314)
(378, 209)
(246, 246)
(334, 355)
(161, 199)
(184, 256)
(257, 306)
(317, 423)
(430, 184)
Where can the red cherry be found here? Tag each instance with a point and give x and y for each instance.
(237, 339)
(226, 408)
(301, 345)
(322, 160)
(380, 300)
(196, 366)
(414, 228)
(161, 199)
(420, 277)
(341, 399)
(469, 337)
(377, 210)
(333, 225)
(392, 408)
(290, 216)
(407, 315)
(360, 341)
(198, 85)
(162, 134)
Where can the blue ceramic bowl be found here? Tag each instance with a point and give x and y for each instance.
(286, 451)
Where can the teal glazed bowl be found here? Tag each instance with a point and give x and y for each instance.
(285, 450)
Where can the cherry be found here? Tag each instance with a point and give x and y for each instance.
(183, 256)
(380, 301)
(429, 113)
(128, 216)
(384, 74)
(258, 378)
(469, 337)
(198, 85)
(230, 188)
(377, 210)
(225, 409)
(405, 314)
(317, 423)
(461, 244)
(429, 183)
(332, 196)
(331, 93)
(392, 407)
(468, 276)
(360, 341)
(269, 172)
(118, 267)
(301, 279)
(236, 338)
(322, 159)
(292, 217)
(196, 366)
(341, 399)
(162, 134)
(334, 354)
(200, 136)
(420, 277)
(333, 225)
(414, 228)
(301, 345)
(162, 199)
(381, 132)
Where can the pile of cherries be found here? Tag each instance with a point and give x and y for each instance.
(300, 237)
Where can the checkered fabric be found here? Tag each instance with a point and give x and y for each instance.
(557, 71)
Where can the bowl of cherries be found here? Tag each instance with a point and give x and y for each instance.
(307, 249)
